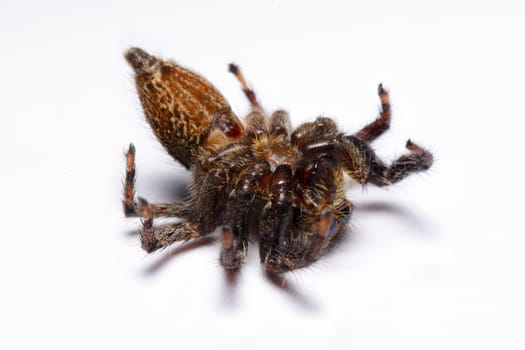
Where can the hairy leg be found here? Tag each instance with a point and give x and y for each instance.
(250, 94)
(417, 160)
(156, 238)
(280, 123)
(363, 165)
(373, 130)
(131, 208)
(315, 137)
(322, 238)
(129, 183)
(233, 249)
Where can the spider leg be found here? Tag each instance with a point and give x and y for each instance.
(277, 249)
(362, 164)
(313, 137)
(373, 130)
(324, 190)
(233, 249)
(255, 123)
(241, 214)
(129, 183)
(156, 238)
(280, 123)
(131, 208)
(250, 94)
(417, 160)
(322, 238)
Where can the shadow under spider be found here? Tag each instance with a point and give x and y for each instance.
(287, 287)
(407, 214)
(173, 190)
(281, 281)
(232, 277)
(180, 249)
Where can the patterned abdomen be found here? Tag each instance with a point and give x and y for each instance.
(181, 106)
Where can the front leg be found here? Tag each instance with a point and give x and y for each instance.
(373, 130)
(419, 159)
(363, 165)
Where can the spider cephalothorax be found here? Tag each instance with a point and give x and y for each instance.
(254, 179)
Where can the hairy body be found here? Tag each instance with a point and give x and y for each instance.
(259, 178)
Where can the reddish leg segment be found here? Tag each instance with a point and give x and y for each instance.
(250, 94)
(131, 208)
(373, 130)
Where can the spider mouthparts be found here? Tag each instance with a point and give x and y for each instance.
(140, 60)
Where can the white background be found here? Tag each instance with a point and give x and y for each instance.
(434, 262)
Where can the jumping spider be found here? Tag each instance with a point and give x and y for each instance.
(256, 178)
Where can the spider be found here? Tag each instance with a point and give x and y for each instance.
(257, 178)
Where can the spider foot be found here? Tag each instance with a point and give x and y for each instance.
(147, 237)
